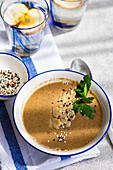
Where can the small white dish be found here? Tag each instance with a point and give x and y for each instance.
(11, 62)
(35, 83)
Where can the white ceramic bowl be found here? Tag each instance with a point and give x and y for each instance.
(16, 65)
(33, 84)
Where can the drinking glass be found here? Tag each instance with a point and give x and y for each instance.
(25, 41)
(67, 14)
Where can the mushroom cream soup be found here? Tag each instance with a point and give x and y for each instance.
(50, 121)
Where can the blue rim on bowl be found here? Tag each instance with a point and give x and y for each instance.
(22, 63)
(95, 144)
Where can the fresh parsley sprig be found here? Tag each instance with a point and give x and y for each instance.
(81, 94)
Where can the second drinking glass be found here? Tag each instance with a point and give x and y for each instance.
(67, 14)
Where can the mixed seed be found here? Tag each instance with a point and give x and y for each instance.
(9, 82)
(63, 115)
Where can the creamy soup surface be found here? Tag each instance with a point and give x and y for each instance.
(65, 131)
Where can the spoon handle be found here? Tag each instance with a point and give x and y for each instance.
(110, 133)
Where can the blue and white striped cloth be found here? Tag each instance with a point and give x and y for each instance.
(15, 153)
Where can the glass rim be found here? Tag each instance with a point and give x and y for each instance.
(46, 17)
(71, 0)
(84, 1)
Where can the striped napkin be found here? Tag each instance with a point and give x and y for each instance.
(15, 153)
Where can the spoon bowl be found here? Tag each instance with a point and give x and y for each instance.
(80, 66)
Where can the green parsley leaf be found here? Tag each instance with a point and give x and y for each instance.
(87, 80)
(88, 100)
(83, 88)
(81, 92)
(86, 110)
(75, 108)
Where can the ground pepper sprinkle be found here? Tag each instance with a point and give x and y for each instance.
(9, 82)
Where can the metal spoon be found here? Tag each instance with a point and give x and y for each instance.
(80, 66)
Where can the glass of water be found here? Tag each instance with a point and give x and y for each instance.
(25, 23)
(67, 14)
